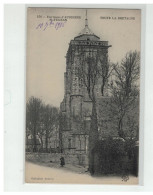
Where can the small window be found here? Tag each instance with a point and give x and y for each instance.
(88, 39)
(69, 143)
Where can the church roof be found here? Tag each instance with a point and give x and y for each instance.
(87, 30)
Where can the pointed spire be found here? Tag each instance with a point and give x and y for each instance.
(86, 30)
(86, 20)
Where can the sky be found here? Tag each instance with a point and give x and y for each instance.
(47, 44)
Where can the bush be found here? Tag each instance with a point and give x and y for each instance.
(115, 156)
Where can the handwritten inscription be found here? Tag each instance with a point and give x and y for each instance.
(54, 24)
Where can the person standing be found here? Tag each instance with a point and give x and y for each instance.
(62, 161)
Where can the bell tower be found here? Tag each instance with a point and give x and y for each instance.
(76, 105)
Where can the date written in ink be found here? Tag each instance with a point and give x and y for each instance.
(44, 25)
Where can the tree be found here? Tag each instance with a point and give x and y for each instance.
(88, 75)
(125, 88)
(40, 128)
(105, 69)
(50, 122)
(41, 121)
(33, 108)
(62, 126)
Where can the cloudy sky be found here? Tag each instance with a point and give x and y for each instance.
(46, 49)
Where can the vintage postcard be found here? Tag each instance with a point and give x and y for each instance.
(82, 96)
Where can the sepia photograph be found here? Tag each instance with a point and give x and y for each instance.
(82, 95)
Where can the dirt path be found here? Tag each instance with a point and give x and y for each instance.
(42, 174)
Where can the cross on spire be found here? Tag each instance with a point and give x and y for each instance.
(86, 20)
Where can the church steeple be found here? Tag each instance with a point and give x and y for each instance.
(86, 20)
(86, 31)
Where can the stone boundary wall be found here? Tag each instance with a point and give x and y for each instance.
(74, 159)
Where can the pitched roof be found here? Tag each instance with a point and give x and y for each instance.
(87, 30)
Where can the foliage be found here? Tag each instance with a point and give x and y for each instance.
(115, 156)
(125, 88)
(33, 110)
(41, 120)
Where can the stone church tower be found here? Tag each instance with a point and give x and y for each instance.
(76, 105)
